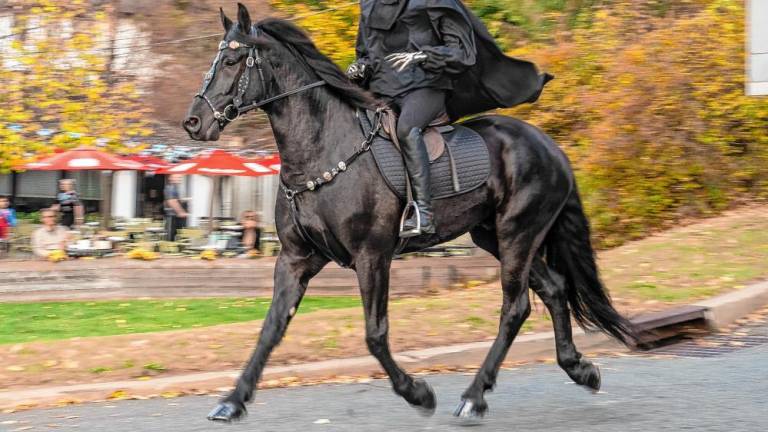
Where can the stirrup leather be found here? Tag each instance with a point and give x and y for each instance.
(412, 232)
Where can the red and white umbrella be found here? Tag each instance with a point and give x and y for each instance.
(271, 161)
(219, 163)
(81, 159)
(151, 163)
(88, 159)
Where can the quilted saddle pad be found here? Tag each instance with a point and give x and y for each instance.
(469, 153)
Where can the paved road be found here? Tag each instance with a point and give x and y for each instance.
(719, 392)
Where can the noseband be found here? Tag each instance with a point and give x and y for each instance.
(234, 110)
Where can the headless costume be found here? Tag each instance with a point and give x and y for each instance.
(448, 63)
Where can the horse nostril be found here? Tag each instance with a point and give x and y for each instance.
(192, 124)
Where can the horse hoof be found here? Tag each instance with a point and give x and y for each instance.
(425, 396)
(594, 381)
(587, 375)
(468, 409)
(226, 412)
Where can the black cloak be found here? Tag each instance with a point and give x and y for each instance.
(494, 81)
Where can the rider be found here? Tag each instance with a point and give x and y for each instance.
(427, 58)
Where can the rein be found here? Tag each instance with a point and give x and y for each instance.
(237, 108)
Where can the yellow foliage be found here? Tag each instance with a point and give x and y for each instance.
(57, 256)
(58, 90)
(334, 32)
(656, 122)
(142, 254)
(208, 254)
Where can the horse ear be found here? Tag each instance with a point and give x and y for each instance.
(243, 18)
(226, 22)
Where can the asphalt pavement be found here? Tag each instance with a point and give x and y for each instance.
(718, 386)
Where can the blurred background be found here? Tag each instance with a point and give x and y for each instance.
(649, 99)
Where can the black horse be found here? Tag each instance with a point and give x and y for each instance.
(528, 214)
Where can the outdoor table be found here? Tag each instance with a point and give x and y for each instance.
(89, 252)
(233, 230)
(232, 227)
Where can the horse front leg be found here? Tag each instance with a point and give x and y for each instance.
(292, 273)
(373, 277)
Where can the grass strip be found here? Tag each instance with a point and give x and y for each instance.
(26, 322)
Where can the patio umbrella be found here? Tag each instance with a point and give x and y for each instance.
(151, 163)
(217, 163)
(88, 159)
(271, 161)
(84, 158)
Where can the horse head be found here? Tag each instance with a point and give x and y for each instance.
(238, 76)
(257, 65)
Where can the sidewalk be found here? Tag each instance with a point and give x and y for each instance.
(117, 278)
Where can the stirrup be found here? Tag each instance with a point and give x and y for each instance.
(412, 232)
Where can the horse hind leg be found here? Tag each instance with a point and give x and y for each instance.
(519, 234)
(550, 287)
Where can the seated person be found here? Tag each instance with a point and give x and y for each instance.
(50, 236)
(251, 230)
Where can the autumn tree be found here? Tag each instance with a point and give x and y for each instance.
(653, 113)
(332, 25)
(60, 89)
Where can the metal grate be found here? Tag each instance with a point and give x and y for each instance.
(717, 344)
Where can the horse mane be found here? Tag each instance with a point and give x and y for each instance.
(316, 62)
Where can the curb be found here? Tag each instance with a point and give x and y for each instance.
(719, 312)
(723, 310)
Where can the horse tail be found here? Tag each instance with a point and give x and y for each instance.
(570, 253)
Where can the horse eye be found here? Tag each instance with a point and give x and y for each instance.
(230, 62)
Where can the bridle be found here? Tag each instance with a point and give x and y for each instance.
(234, 110)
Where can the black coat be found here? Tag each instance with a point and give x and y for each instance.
(463, 59)
(392, 26)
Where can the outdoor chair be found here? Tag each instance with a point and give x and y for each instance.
(169, 248)
(4, 247)
(189, 237)
(21, 238)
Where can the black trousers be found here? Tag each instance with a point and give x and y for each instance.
(418, 108)
(172, 225)
(68, 219)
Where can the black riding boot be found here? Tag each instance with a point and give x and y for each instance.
(417, 165)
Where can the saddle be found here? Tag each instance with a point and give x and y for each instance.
(459, 160)
(433, 134)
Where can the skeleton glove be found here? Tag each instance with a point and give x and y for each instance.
(400, 61)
